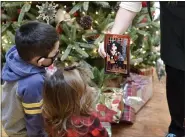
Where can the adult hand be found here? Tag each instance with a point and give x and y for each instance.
(101, 50)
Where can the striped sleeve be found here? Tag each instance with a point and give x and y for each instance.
(30, 91)
(32, 108)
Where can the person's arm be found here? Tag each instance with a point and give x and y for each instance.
(31, 93)
(124, 16)
(123, 20)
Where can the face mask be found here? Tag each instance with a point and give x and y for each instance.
(49, 58)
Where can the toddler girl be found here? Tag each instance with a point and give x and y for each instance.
(68, 106)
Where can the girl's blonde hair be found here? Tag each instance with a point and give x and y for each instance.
(65, 94)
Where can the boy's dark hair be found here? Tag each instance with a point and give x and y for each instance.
(35, 39)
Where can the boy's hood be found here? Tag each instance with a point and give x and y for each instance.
(15, 68)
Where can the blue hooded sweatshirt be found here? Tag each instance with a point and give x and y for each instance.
(22, 97)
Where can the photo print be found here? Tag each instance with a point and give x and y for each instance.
(117, 48)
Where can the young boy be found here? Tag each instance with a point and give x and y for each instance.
(37, 46)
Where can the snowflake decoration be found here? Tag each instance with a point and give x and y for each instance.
(47, 11)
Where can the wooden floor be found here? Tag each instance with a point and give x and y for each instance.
(151, 121)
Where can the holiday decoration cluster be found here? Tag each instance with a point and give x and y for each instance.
(82, 26)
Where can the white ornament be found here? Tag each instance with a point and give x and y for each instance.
(47, 11)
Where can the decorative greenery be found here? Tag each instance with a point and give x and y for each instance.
(79, 43)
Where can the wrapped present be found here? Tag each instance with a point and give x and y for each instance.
(107, 126)
(110, 105)
(129, 115)
(137, 91)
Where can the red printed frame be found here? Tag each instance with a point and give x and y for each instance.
(118, 58)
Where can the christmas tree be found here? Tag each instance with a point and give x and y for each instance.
(145, 39)
(82, 27)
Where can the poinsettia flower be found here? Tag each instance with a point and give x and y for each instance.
(107, 115)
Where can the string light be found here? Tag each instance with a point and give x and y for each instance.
(135, 63)
(83, 48)
(73, 3)
(96, 12)
(131, 42)
(147, 27)
(112, 12)
(95, 50)
(73, 47)
(91, 28)
(157, 32)
(65, 6)
(131, 56)
(66, 64)
(64, 12)
(126, 32)
(83, 12)
(6, 41)
(30, 2)
(144, 52)
(62, 52)
(83, 39)
(96, 21)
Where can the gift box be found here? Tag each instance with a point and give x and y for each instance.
(107, 126)
(137, 91)
(110, 105)
(129, 115)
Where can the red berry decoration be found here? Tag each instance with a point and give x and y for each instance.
(144, 20)
(14, 19)
(76, 14)
(19, 11)
(59, 30)
(144, 4)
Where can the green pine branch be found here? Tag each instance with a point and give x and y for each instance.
(77, 7)
(102, 3)
(26, 7)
